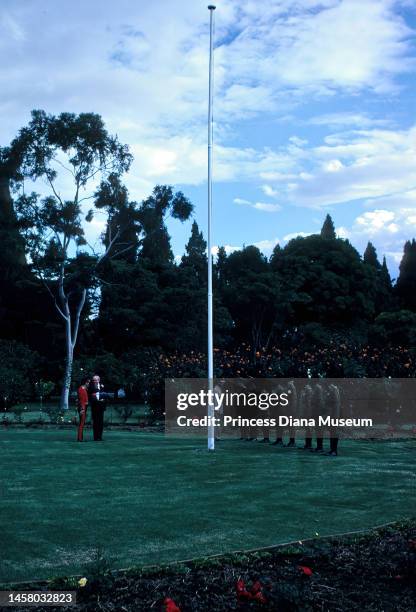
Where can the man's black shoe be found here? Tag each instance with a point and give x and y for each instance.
(331, 454)
(264, 441)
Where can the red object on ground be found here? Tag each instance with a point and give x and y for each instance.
(254, 594)
(306, 570)
(241, 590)
(170, 605)
(259, 597)
(257, 586)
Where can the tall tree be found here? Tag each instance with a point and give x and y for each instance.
(328, 281)
(195, 257)
(276, 259)
(385, 275)
(154, 211)
(119, 274)
(370, 256)
(79, 147)
(406, 283)
(328, 229)
(123, 218)
(142, 296)
(252, 297)
(220, 268)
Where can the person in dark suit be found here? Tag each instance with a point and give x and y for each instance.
(97, 401)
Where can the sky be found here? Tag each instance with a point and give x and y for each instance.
(314, 106)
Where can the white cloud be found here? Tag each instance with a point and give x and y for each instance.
(241, 201)
(269, 191)
(263, 206)
(334, 165)
(228, 249)
(348, 119)
(295, 235)
(267, 246)
(365, 164)
(342, 232)
(373, 222)
(396, 200)
(386, 222)
(341, 36)
(386, 229)
(298, 142)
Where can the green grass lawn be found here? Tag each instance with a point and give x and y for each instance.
(145, 499)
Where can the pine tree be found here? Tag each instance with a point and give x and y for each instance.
(156, 248)
(385, 275)
(219, 267)
(195, 257)
(276, 258)
(328, 229)
(370, 256)
(406, 283)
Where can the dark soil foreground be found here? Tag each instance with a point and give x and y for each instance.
(374, 571)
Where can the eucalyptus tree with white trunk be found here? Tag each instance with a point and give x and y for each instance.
(69, 154)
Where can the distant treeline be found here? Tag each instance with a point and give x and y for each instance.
(314, 291)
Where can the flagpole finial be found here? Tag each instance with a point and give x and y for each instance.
(212, 7)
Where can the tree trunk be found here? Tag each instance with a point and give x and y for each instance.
(71, 336)
(66, 385)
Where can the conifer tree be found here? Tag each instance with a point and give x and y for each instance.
(276, 258)
(153, 212)
(385, 275)
(370, 256)
(328, 229)
(195, 258)
(406, 283)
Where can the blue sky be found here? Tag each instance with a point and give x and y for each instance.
(314, 106)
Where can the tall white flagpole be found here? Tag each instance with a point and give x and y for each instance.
(211, 429)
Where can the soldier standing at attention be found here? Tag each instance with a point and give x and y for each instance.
(305, 410)
(334, 400)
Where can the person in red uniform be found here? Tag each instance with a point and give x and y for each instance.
(82, 406)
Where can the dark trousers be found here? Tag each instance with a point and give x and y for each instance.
(97, 414)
